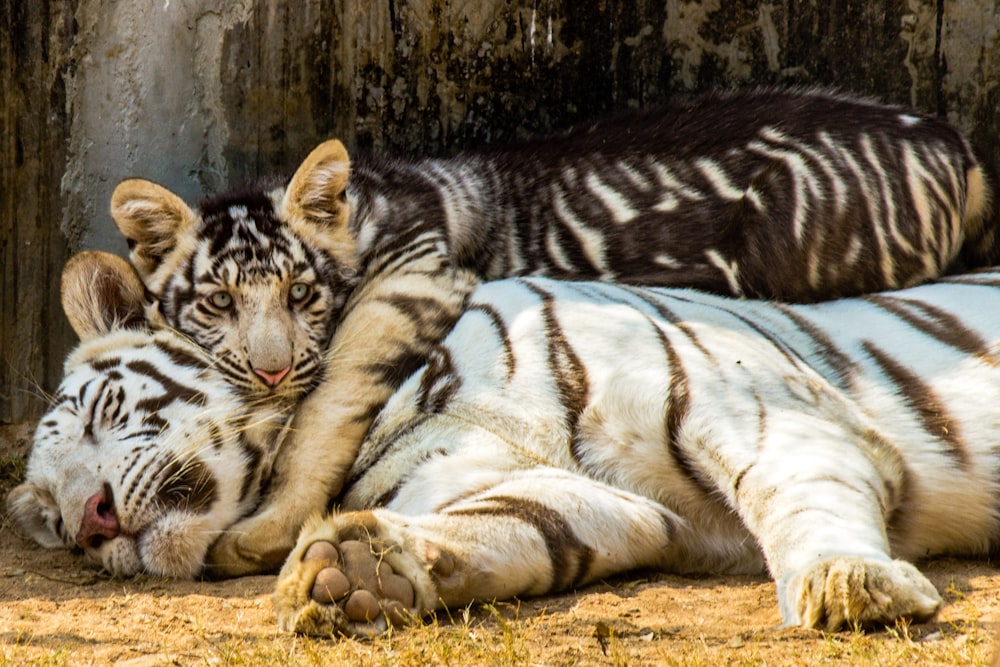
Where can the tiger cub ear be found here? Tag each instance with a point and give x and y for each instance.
(319, 186)
(101, 292)
(315, 201)
(151, 217)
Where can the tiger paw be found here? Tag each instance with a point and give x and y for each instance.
(348, 576)
(255, 545)
(842, 591)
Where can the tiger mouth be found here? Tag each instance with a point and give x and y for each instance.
(288, 391)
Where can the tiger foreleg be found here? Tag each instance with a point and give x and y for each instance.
(544, 531)
(307, 473)
(393, 322)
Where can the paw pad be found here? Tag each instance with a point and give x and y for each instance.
(361, 582)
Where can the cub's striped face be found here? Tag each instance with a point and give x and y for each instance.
(256, 297)
(147, 453)
(257, 278)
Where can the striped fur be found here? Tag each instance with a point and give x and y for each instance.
(791, 195)
(134, 460)
(565, 432)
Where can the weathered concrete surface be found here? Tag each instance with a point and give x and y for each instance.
(145, 100)
(200, 94)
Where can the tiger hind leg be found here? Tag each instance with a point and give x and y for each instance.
(847, 590)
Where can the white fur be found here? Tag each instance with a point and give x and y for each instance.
(828, 482)
(779, 460)
(71, 463)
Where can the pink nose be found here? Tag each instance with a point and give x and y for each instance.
(272, 378)
(100, 522)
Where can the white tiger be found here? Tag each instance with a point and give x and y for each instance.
(565, 432)
(337, 282)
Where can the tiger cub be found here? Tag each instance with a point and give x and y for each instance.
(790, 195)
(829, 444)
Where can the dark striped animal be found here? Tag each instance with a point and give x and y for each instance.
(788, 195)
(537, 451)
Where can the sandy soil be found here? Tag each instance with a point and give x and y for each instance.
(56, 609)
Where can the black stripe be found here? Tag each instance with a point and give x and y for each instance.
(117, 415)
(390, 494)
(776, 342)
(83, 392)
(253, 456)
(375, 451)
(510, 361)
(841, 364)
(138, 477)
(406, 245)
(981, 278)
(938, 324)
(393, 370)
(438, 383)
(101, 365)
(144, 433)
(571, 559)
(568, 371)
(152, 421)
(187, 485)
(678, 404)
(898, 514)
(920, 398)
(670, 316)
(424, 312)
(174, 390)
(180, 356)
(406, 257)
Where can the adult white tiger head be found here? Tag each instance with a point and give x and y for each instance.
(147, 453)
(256, 277)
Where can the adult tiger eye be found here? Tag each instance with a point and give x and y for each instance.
(222, 300)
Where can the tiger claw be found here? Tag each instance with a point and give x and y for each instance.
(844, 590)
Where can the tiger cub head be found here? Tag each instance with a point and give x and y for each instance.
(258, 278)
(147, 453)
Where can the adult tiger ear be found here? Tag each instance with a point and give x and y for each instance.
(101, 292)
(34, 509)
(152, 218)
(315, 204)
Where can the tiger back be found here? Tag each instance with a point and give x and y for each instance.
(796, 195)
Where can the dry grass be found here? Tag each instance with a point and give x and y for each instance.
(151, 622)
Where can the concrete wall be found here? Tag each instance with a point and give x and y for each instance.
(198, 95)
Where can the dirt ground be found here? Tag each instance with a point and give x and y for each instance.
(55, 609)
